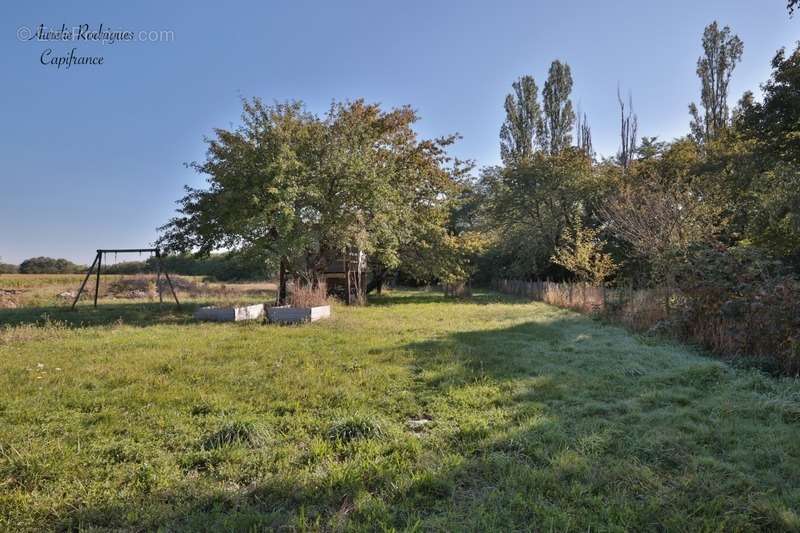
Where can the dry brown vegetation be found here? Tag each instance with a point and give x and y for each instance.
(758, 331)
(309, 295)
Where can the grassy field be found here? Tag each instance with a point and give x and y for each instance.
(414, 413)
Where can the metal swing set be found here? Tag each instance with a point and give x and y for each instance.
(98, 260)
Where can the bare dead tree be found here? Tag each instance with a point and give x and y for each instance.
(628, 131)
(660, 222)
(584, 133)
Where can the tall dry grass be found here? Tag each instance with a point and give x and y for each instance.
(309, 295)
(640, 309)
(764, 331)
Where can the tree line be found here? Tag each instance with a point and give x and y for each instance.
(220, 267)
(42, 265)
(713, 216)
(554, 210)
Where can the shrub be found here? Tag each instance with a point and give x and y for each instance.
(739, 303)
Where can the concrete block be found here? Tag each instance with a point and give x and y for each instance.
(285, 314)
(230, 314)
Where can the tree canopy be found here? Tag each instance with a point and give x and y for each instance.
(298, 190)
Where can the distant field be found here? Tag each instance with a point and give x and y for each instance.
(31, 293)
(17, 281)
(414, 413)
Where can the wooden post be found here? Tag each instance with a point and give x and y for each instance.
(347, 275)
(88, 273)
(158, 282)
(97, 281)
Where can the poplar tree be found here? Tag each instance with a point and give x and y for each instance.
(523, 114)
(628, 131)
(555, 130)
(722, 50)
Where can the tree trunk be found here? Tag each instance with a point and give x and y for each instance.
(282, 282)
(377, 281)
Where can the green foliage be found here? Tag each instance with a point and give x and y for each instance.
(770, 133)
(661, 209)
(6, 268)
(581, 252)
(291, 187)
(49, 265)
(775, 225)
(528, 207)
(127, 267)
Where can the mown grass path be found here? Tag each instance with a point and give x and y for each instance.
(411, 413)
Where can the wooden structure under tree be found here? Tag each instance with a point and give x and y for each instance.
(98, 260)
(346, 276)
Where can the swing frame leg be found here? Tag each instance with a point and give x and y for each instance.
(158, 283)
(83, 284)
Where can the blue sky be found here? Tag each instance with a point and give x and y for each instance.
(92, 156)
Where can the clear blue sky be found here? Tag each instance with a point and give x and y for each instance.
(93, 156)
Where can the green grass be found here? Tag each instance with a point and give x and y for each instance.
(414, 413)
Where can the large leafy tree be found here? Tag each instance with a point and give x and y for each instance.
(772, 129)
(256, 177)
(722, 50)
(774, 124)
(298, 190)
